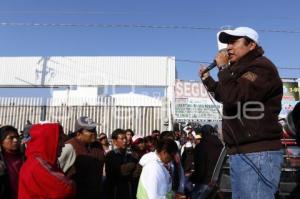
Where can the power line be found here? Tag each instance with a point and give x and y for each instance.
(192, 61)
(97, 25)
(206, 62)
(289, 68)
(66, 13)
(142, 26)
(106, 25)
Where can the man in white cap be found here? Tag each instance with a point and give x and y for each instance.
(250, 89)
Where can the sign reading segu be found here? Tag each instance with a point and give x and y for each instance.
(192, 103)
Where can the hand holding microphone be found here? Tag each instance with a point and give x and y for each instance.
(204, 71)
(220, 60)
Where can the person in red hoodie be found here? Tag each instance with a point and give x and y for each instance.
(40, 176)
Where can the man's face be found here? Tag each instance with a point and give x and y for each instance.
(155, 134)
(103, 139)
(197, 141)
(142, 146)
(87, 136)
(177, 134)
(190, 136)
(11, 142)
(237, 48)
(165, 157)
(150, 146)
(120, 142)
(129, 137)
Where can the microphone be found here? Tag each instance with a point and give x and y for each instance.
(209, 67)
(214, 63)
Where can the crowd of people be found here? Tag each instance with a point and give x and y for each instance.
(88, 164)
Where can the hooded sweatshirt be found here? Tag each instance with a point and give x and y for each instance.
(155, 181)
(40, 176)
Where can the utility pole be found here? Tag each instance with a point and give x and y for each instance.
(44, 72)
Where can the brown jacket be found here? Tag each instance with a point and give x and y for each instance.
(252, 80)
(87, 170)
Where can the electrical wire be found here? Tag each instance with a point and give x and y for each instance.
(96, 25)
(100, 25)
(206, 62)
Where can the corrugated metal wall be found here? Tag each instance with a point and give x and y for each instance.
(87, 71)
(142, 119)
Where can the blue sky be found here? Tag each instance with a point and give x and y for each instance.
(266, 16)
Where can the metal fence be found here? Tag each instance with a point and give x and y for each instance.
(103, 110)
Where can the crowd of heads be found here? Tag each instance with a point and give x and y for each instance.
(31, 142)
(85, 131)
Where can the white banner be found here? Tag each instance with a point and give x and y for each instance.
(192, 103)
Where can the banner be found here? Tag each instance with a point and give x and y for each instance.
(192, 103)
(290, 97)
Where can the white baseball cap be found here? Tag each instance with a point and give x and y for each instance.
(226, 35)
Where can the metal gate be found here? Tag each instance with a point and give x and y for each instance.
(103, 110)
